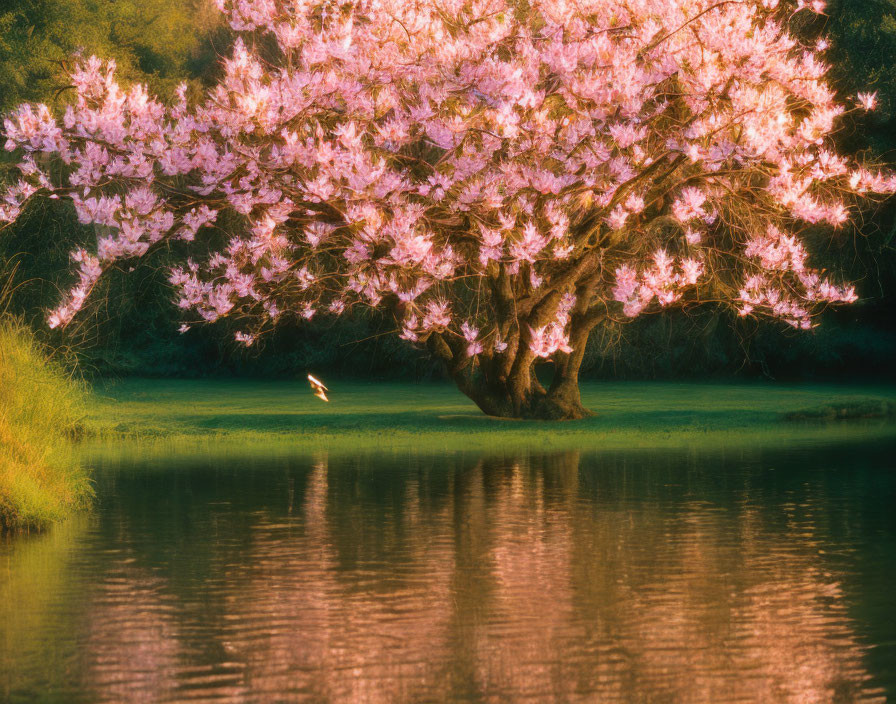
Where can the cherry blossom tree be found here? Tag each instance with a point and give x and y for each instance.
(501, 175)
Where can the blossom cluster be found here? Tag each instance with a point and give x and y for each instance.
(664, 280)
(553, 337)
(786, 287)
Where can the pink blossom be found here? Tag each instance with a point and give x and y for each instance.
(491, 247)
(471, 333)
(547, 340)
(411, 249)
(529, 245)
(689, 204)
(616, 219)
(867, 101)
(317, 232)
(409, 329)
(691, 270)
(437, 315)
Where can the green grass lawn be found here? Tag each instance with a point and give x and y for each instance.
(219, 415)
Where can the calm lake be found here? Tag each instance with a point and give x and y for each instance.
(747, 575)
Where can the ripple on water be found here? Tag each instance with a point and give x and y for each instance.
(554, 577)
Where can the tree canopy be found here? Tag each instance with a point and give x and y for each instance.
(501, 176)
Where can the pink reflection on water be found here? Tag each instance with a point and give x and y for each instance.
(132, 652)
(308, 628)
(513, 587)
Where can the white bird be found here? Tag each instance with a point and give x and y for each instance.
(318, 388)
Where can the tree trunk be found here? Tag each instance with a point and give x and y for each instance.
(504, 385)
(518, 394)
(559, 402)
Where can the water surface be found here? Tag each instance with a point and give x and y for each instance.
(642, 576)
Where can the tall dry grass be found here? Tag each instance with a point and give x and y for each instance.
(41, 408)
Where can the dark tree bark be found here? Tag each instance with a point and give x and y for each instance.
(505, 385)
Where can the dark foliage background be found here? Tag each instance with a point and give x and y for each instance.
(131, 326)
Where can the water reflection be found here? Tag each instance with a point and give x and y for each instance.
(558, 577)
(131, 648)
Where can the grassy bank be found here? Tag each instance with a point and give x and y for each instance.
(40, 408)
(219, 416)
